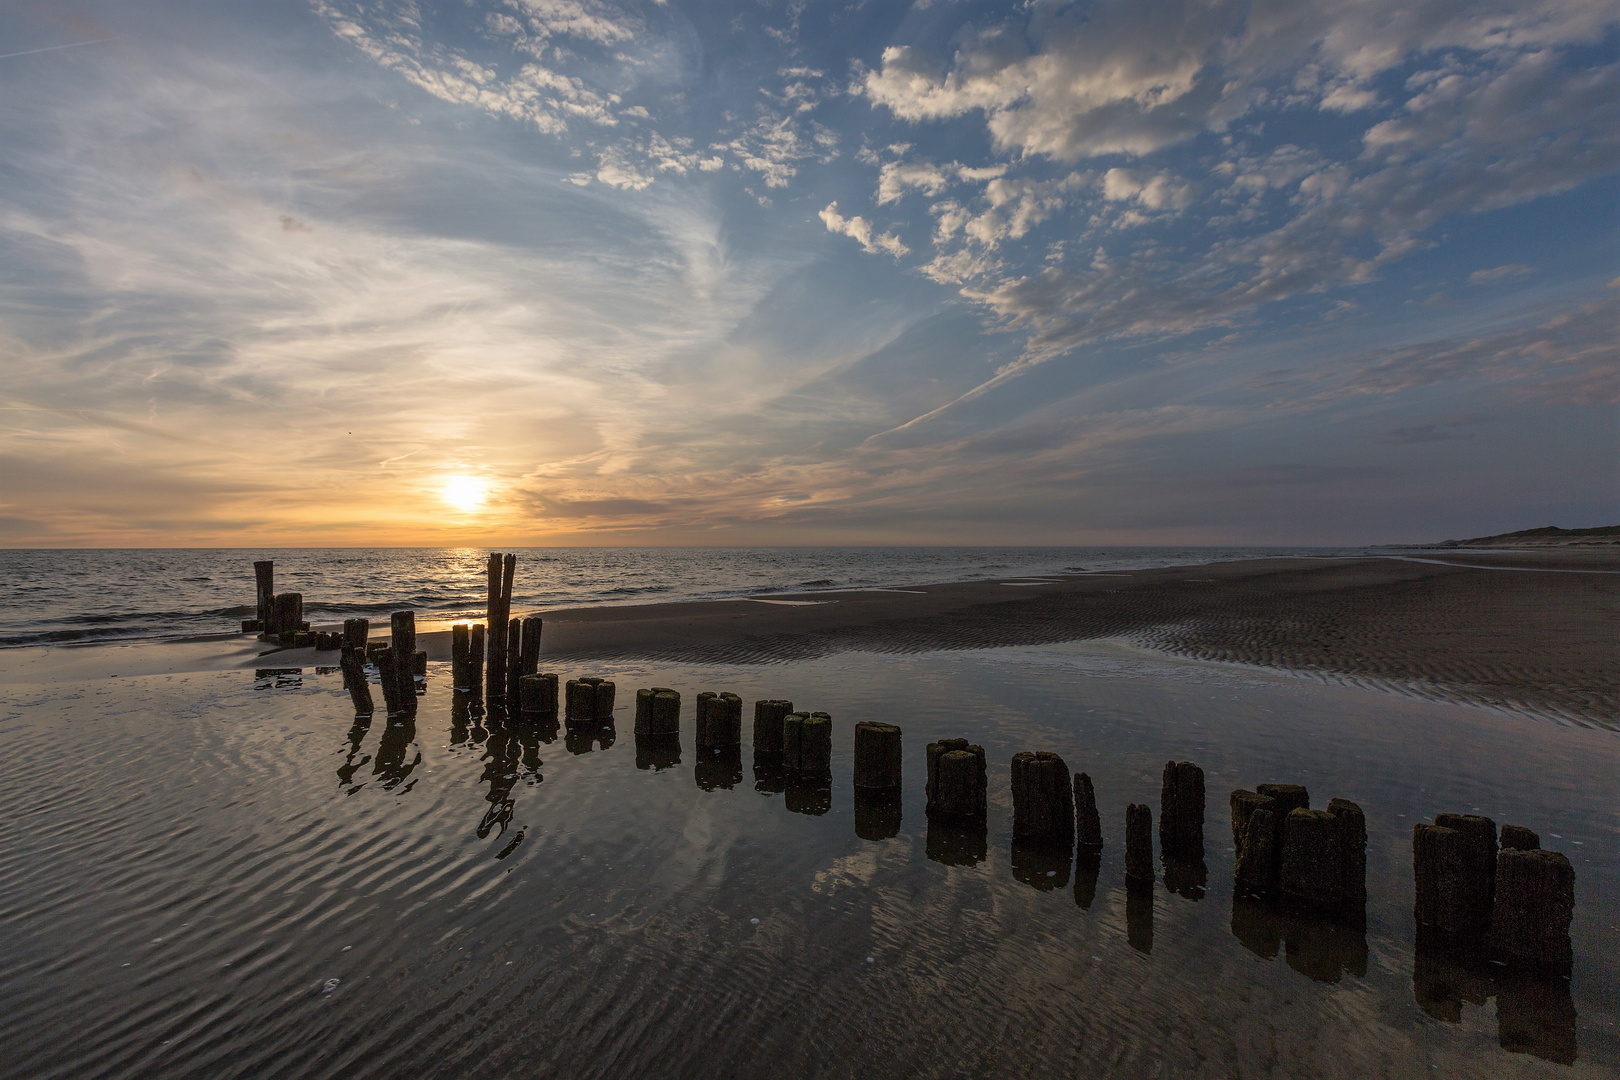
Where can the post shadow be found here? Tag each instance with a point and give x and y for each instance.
(957, 842)
(390, 763)
(1043, 866)
(1139, 914)
(501, 774)
(718, 768)
(877, 814)
(357, 735)
(1087, 864)
(658, 752)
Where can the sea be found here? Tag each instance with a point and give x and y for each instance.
(59, 596)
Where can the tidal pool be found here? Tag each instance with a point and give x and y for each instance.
(218, 874)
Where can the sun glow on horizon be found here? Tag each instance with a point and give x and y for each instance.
(465, 493)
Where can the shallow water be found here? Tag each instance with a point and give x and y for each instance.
(221, 875)
(55, 596)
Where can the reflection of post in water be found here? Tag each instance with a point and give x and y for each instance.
(1321, 945)
(1040, 865)
(957, 841)
(770, 774)
(501, 774)
(808, 793)
(1139, 914)
(658, 752)
(877, 814)
(719, 768)
(464, 711)
(528, 739)
(1185, 876)
(1087, 863)
(1534, 1011)
(397, 738)
(583, 736)
(357, 735)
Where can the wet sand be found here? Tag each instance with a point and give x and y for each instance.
(1524, 630)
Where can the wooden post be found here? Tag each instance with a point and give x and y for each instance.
(658, 711)
(1043, 798)
(807, 743)
(402, 640)
(1181, 809)
(388, 675)
(1454, 867)
(768, 717)
(264, 576)
(460, 646)
(1534, 903)
(354, 677)
(355, 632)
(475, 658)
(288, 615)
(496, 640)
(537, 694)
(719, 721)
(529, 656)
(514, 665)
(956, 780)
(1138, 843)
(877, 756)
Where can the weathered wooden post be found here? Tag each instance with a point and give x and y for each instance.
(1181, 810)
(264, 579)
(537, 694)
(1533, 905)
(769, 715)
(1043, 799)
(1138, 843)
(658, 711)
(514, 657)
(402, 640)
(956, 787)
(1088, 825)
(529, 650)
(719, 721)
(1324, 856)
(590, 698)
(501, 570)
(475, 658)
(807, 743)
(354, 678)
(1454, 864)
(877, 756)
(1257, 832)
(460, 646)
(388, 674)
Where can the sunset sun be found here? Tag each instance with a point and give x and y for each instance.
(465, 493)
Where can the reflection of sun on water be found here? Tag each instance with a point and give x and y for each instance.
(465, 493)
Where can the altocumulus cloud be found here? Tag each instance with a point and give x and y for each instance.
(616, 258)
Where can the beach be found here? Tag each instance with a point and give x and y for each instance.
(213, 868)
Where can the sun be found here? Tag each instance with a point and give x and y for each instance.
(465, 493)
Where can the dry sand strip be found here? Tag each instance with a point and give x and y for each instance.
(1539, 641)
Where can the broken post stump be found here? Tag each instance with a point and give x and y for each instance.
(1181, 809)
(877, 756)
(1088, 825)
(956, 780)
(475, 657)
(402, 640)
(501, 570)
(264, 581)
(1258, 844)
(1043, 798)
(1454, 867)
(288, 614)
(658, 711)
(537, 694)
(355, 632)
(590, 698)
(354, 679)
(807, 743)
(719, 720)
(1312, 871)
(1138, 843)
(1518, 838)
(419, 664)
(768, 717)
(1534, 903)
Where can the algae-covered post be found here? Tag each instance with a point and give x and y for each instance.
(1454, 869)
(956, 780)
(768, 717)
(355, 632)
(537, 694)
(1043, 798)
(1533, 907)
(877, 756)
(719, 721)
(658, 711)
(1181, 809)
(807, 743)
(287, 616)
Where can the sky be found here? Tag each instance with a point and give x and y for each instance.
(327, 272)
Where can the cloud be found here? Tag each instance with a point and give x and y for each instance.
(859, 229)
(1500, 273)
